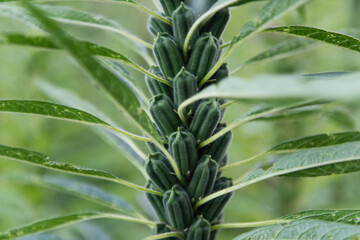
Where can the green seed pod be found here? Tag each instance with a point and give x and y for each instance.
(167, 55)
(160, 171)
(184, 87)
(206, 118)
(212, 209)
(183, 18)
(199, 230)
(203, 179)
(152, 148)
(182, 146)
(163, 112)
(178, 208)
(156, 26)
(216, 25)
(156, 202)
(217, 150)
(169, 6)
(203, 56)
(157, 87)
(162, 228)
(221, 73)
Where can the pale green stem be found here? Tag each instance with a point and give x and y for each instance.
(166, 235)
(130, 219)
(153, 13)
(126, 133)
(225, 45)
(249, 224)
(225, 105)
(240, 163)
(140, 69)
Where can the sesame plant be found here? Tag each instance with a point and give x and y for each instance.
(185, 168)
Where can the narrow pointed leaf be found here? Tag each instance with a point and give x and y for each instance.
(53, 223)
(304, 229)
(42, 160)
(333, 38)
(125, 99)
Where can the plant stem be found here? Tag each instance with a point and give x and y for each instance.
(225, 105)
(249, 224)
(240, 163)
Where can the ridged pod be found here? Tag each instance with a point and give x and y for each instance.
(178, 208)
(183, 18)
(217, 149)
(184, 87)
(162, 228)
(157, 87)
(221, 73)
(167, 55)
(206, 118)
(163, 112)
(216, 25)
(156, 202)
(160, 171)
(203, 56)
(182, 146)
(203, 179)
(152, 148)
(199, 230)
(169, 6)
(156, 26)
(212, 210)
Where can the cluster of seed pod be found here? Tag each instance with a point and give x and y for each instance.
(198, 167)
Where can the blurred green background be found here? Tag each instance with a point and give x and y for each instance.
(21, 69)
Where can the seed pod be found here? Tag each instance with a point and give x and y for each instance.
(157, 87)
(202, 181)
(169, 6)
(217, 150)
(184, 87)
(163, 112)
(160, 171)
(216, 25)
(203, 56)
(199, 230)
(167, 55)
(178, 208)
(212, 209)
(156, 26)
(183, 18)
(156, 202)
(206, 118)
(182, 146)
(162, 228)
(152, 148)
(221, 73)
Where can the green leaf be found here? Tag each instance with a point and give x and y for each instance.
(321, 161)
(272, 11)
(124, 145)
(334, 38)
(92, 48)
(304, 229)
(51, 110)
(53, 223)
(349, 216)
(78, 17)
(120, 92)
(74, 187)
(42, 160)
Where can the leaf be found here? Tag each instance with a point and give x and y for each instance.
(70, 186)
(52, 223)
(322, 161)
(334, 38)
(304, 229)
(124, 145)
(125, 99)
(91, 48)
(42, 160)
(273, 10)
(51, 110)
(349, 216)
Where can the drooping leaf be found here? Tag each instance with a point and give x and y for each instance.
(120, 92)
(313, 162)
(304, 229)
(42, 160)
(333, 38)
(52, 223)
